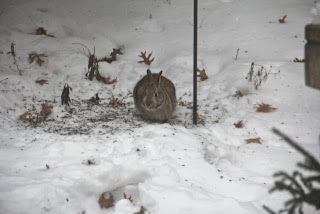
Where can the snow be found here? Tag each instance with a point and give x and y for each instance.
(179, 169)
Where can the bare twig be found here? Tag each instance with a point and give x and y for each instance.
(13, 54)
(77, 43)
(237, 54)
(201, 22)
(4, 79)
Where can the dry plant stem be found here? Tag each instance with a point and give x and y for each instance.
(14, 57)
(77, 43)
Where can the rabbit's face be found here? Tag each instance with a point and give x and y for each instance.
(152, 98)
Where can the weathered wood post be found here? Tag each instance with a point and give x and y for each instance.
(312, 56)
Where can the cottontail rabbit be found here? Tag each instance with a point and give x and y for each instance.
(155, 97)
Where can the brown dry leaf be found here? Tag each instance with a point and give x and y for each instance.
(146, 60)
(47, 166)
(283, 19)
(142, 210)
(106, 203)
(114, 102)
(203, 76)
(46, 109)
(91, 162)
(25, 116)
(238, 94)
(299, 60)
(238, 124)
(265, 108)
(41, 82)
(125, 197)
(35, 56)
(107, 80)
(42, 31)
(113, 56)
(254, 140)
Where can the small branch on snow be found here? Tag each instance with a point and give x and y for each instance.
(4, 79)
(237, 54)
(13, 54)
(200, 26)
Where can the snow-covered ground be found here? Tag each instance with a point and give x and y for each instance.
(65, 163)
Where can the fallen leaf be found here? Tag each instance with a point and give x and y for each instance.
(238, 94)
(106, 203)
(91, 162)
(25, 116)
(47, 166)
(113, 102)
(238, 124)
(42, 31)
(265, 108)
(283, 19)
(113, 56)
(202, 74)
(35, 56)
(107, 80)
(299, 60)
(146, 60)
(254, 140)
(46, 109)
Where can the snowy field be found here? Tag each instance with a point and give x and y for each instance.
(65, 163)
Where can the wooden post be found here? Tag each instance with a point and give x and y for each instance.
(312, 56)
(195, 57)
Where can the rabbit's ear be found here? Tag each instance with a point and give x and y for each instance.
(149, 74)
(159, 79)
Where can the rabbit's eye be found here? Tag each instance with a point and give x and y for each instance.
(156, 94)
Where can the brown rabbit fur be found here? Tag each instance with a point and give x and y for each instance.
(155, 97)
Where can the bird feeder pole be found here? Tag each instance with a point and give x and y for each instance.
(195, 56)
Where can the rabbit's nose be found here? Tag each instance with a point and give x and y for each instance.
(148, 103)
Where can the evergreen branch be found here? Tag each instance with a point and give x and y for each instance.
(301, 188)
(269, 210)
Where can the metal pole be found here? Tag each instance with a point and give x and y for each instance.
(195, 56)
